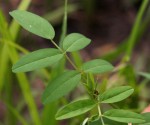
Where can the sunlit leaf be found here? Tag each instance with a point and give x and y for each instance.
(61, 86)
(116, 94)
(97, 66)
(144, 74)
(34, 23)
(37, 59)
(75, 108)
(74, 42)
(124, 116)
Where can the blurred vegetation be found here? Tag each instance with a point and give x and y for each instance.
(127, 49)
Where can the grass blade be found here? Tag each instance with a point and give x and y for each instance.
(14, 26)
(24, 84)
(134, 32)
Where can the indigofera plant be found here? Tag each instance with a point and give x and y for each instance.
(67, 81)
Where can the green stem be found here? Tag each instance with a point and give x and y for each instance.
(11, 35)
(74, 66)
(16, 114)
(56, 45)
(64, 31)
(13, 44)
(100, 114)
(134, 32)
(25, 87)
(64, 26)
(20, 48)
(3, 66)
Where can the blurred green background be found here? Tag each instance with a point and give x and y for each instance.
(119, 30)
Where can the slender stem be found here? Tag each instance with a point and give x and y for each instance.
(64, 30)
(134, 32)
(74, 66)
(100, 114)
(64, 26)
(57, 46)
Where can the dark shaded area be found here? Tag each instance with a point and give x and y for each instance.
(104, 21)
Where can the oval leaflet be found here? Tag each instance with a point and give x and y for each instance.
(34, 23)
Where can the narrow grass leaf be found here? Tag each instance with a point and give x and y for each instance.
(144, 74)
(61, 86)
(3, 65)
(47, 109)
(97, 66)
(25, 88)
(116, 94)
(37, 59)
(124, 116)
(34, 23)
(74, 42)
(17, 114)
(75, 108)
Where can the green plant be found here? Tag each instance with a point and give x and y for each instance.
(8, 50)
(69, 79)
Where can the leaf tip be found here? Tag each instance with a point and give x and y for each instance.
(56, 117)
(14, 69)
(12, 13)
